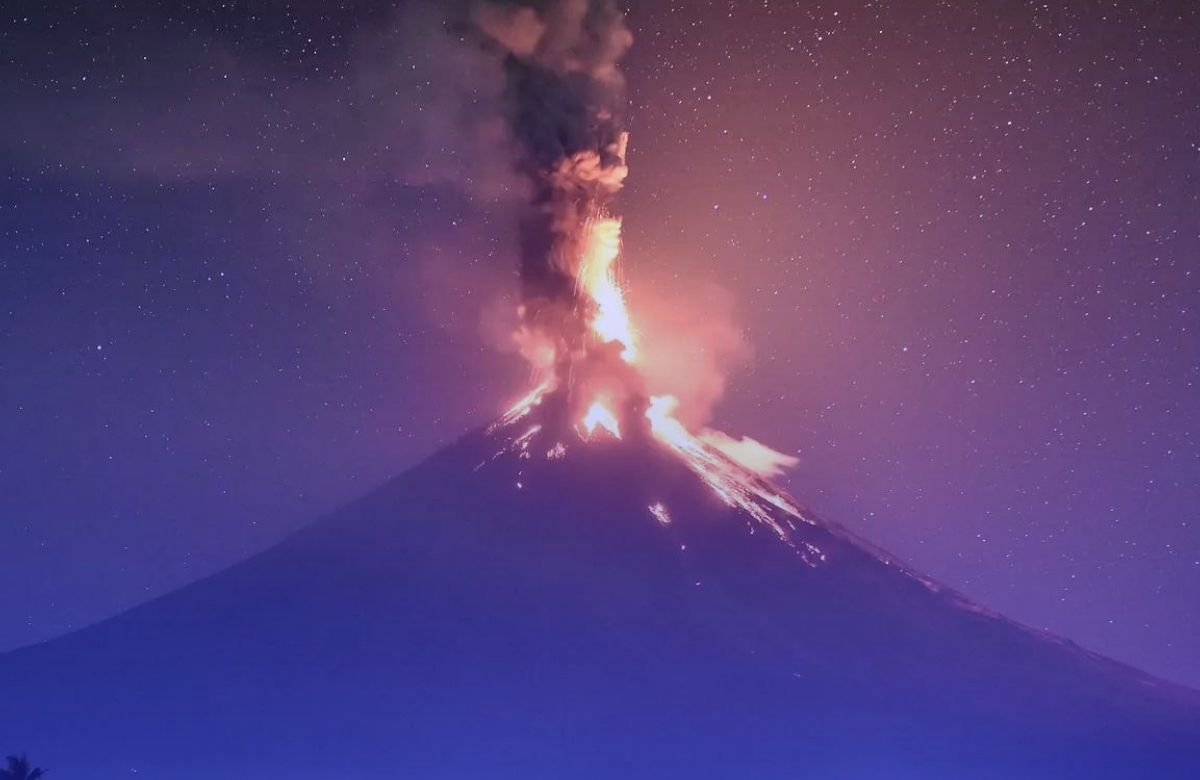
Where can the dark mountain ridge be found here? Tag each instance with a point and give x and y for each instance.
(509, 610)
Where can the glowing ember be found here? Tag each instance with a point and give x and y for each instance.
(660, 513)
(599, 416)
(523, 407)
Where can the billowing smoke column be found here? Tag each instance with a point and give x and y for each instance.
(565, 97)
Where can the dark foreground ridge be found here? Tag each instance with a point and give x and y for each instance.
(519, 612)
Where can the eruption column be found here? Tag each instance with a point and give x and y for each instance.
(565, 95)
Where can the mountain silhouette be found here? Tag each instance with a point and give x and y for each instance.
(514, 609)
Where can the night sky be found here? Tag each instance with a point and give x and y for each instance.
(255, 260)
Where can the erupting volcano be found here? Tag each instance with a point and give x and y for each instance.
(587, 383)
(587, 588)
(576, 329)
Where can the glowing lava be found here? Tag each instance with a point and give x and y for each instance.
(597, 279)
(522, 408)
(600, 416)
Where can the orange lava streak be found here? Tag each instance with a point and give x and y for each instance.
(597, 278)
(523, 407)
(733, 483)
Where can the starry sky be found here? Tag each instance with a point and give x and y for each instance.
(255, 261)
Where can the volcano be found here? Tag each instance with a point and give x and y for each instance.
(525, 604)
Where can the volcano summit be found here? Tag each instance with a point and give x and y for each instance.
(514, 608)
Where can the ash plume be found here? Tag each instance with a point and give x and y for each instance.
(565, 97)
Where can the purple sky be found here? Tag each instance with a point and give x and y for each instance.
(963, 244)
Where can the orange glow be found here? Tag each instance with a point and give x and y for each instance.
(600, 416)
(736, 470)
(597, 278)
(733, 484)
(749, 453)
(527, 404)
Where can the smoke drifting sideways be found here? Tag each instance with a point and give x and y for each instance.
(510, 111)
(476, 102)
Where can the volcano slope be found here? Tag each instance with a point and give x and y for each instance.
(508, 610)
